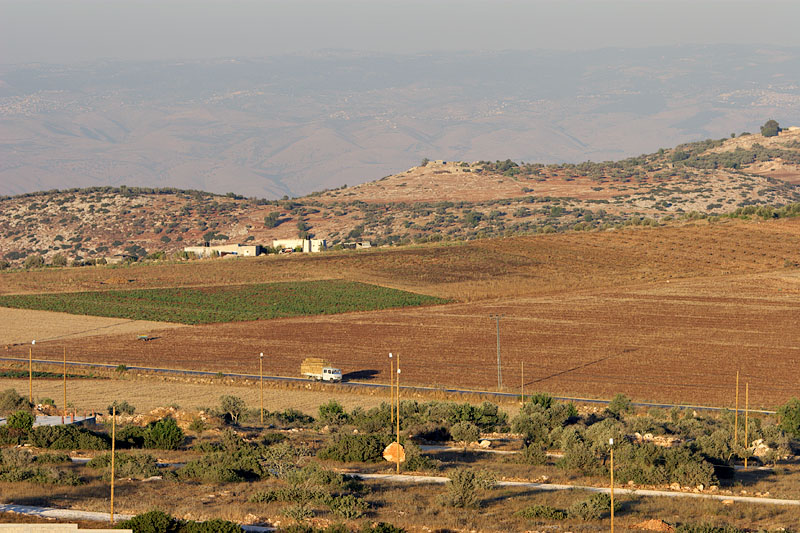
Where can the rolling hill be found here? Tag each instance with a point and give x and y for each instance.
(437, 201)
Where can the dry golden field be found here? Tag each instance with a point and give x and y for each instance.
(667, 314)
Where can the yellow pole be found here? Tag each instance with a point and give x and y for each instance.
(398, 413)
(736, 414)
(611, 441)
(261, 380)
(113, 448)
(65, 382)
(522, 382)
(30, 374)
(391, 389)
(746, 412)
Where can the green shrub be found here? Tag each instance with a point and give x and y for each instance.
(164, 434)
(464, 486)
(465, 432)
(348, 506)
(381, 527)
(232, 408)
(140, 466)
(619, 405)
(211, 526)
(123, 407)
(332, 413)
(21, 420)
(298, 512)
(789, 414)
(53, 458)
(151, 522)
(11, 402)
(358, 448)
(68, 437)
(534, 454)
(289, 418)
(131, 436)
(593, 508)
(542, 511)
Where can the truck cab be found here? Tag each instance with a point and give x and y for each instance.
(331, 374)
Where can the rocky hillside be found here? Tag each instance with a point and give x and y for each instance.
(434, 201)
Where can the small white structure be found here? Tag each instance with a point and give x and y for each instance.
(360, 245)
(307, 245)
(239, 250)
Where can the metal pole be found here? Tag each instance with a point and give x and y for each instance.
(261, 380)
(391, 389)
(746, 412)
(113, 448)
(611, 441)
(398, 413)
(30, 374)
(736, 416)
(65, 382)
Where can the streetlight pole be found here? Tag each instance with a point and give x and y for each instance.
(261, 383)
(499, 366)
(391, 388)
(30, 371)
(611, 448)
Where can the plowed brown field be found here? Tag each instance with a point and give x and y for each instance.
(664, 315)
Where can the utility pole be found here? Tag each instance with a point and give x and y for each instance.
(261, 383)
(30, 371)
(113, 452)
(736, 414)
(65, 385)
(391, 388)
(611, 451)
(499, 366)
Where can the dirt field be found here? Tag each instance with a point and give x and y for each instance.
(664, 314)
(21, 326)
(147, 394)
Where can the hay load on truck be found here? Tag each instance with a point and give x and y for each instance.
(319, 369)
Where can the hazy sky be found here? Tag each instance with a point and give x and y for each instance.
(66, 31)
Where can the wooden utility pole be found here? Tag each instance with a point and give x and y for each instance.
(736, 414)
(391, 388)
(746, 413)
(65, 382)
(522, 382)
(113, 449)
(261, 382)
(398, 413)
(611, 446)
(30, 374)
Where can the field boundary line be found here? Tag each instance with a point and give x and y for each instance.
(478, 392)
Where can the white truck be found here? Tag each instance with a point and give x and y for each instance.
(320, 370)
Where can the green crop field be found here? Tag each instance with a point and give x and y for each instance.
(225, 303)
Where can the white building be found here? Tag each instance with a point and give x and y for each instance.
(239, 250)
(307, 245)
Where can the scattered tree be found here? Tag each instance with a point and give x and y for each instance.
(770, 128)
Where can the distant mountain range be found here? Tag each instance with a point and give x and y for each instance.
(437, 201)
(292, 125)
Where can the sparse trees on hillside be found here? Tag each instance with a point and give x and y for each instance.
(34, 261)
(770, 128)
(59, 260)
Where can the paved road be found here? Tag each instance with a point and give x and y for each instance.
(376, 385)
(401, 478)
(73, 514)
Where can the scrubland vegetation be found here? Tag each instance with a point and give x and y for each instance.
(300, 473)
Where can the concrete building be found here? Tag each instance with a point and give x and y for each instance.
(360, 245)
(239, 250)
(308, 245)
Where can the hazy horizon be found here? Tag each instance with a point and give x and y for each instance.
(57, 31)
